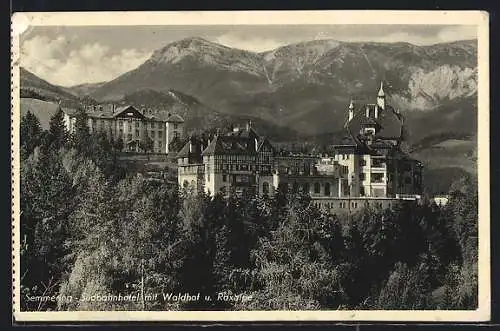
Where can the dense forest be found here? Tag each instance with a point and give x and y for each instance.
(90, 227)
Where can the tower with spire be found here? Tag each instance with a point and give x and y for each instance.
(351, 111)
(381, 96)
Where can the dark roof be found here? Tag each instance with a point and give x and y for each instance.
(184, 152)
(69, 111)
(231, 145)
(128, 111)
(244, 133)
(119, 112)
(196, 148)
(101, 114)
(167, 117)
(261, 142)
(174, 119)
(391, 123)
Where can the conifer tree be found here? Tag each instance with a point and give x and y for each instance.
(81, 134)
(30, 133)
(58, 135)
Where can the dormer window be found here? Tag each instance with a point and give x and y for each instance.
(370, 131)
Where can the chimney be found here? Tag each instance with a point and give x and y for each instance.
(249, 125)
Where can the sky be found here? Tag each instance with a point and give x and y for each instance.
(71, 55)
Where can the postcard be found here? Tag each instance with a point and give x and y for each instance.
(251, 166)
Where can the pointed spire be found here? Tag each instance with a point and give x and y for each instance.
(351, 111)
(381, 91)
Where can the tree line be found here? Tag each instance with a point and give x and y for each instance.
(90, 227)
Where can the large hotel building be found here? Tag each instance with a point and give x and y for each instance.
(131, 125)
(367, 167)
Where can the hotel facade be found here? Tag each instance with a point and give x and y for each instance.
(131, 126)
(367, 167)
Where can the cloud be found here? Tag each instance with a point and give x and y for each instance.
(457, 33)
(250, 43)
(64, 62)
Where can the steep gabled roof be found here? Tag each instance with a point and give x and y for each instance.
(262, 141)
(174, 119)
(184, 152)
(128, 112)
(230, 145)
(390, 123)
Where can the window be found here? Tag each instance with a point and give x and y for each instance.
(377, 178)
(137, 124)
(362, 191)
(305, 187)
(327, 189)
(362, 176)
(158, 134)
(317, 188)
(175, 126)
(265, 188)
(137, 133)
(129, 126)
(407, 180)
(159, 125)
(224, 178)
(362, 162)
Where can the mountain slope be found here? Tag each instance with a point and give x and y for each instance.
(82, 90)
(306, 86)
(32, 86)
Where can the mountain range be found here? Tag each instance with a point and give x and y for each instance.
(299, 91)
(306, 86)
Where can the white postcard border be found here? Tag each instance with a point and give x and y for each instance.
(22, 21)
